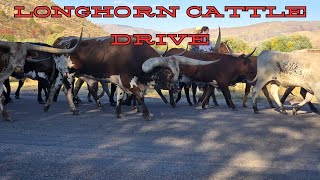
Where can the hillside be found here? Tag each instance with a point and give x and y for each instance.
(40, 29)
(123, 29)
(254, 34)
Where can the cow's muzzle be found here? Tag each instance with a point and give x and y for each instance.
(18, 70)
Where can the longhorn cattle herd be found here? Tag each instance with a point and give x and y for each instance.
(132, 69)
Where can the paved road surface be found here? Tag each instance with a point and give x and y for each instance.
(182, 143)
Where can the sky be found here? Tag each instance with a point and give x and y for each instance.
(182, 21)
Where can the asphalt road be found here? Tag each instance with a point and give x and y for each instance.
(182, 143)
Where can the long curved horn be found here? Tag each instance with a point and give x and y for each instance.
(6, 74)
(180, 54)
(218, 42)
(249, 55)
(165, 53)
(253, 81)
(151, 63)
(193, 62)
(6, 44)
(55, 50)
(37, 60)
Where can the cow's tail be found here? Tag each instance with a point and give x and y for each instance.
(253, 81)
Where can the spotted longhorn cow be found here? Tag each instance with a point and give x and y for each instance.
(130, 67)
(13, 56)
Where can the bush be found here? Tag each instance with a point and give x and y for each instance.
(7, 37)
(287, 43)
(50, 40)
(239, 45)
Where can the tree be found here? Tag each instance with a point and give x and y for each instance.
(238, 45)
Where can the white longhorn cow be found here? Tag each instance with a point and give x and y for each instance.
(296, 69)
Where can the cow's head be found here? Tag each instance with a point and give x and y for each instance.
(166, 70)
(247, 66)
(18, 52)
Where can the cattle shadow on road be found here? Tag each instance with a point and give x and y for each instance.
(182, 143)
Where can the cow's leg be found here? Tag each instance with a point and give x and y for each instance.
(17, 93)
(68, 84)
(135, 105)
(89, 94)
(76, 90)
(181, 86)
(226, 92)
(4, 112)
(120, 94)
(274, 90)
(214, 99)
(207, 93)
(45, 88)
(54, 88)
(303, 93)
(111, 97)
(7, 98)
(266, 94)
(307, 99)
(164, 99)
(194, 93)
(317, 93)
(255, 92)
(246, 93)
(186, 91)
(105, 87)
(93, 90)
(129, 99)
(40, 87)
(172, 102)
(56, 94)
(200, 100)
(286, 94)
(140, 97)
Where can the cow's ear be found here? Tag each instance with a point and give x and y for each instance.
(246, 61)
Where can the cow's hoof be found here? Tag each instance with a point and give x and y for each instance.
(6, 116)
(136, 109)
(190, 104)
(234, 109)
(295, 110)
(90, 100)
(46, 108)
(118, 115)
(282, 111)
(173, 105)
(315, 110)
(244, 105)
(216, 104)
(146, 116)
(256, 112)
(272, 106)
(17, 97)
(76, 112)
(41, 102)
